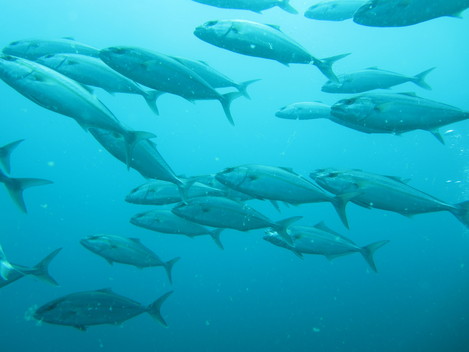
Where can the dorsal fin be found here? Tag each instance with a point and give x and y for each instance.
(69, 38)
(410, 94)
(288, 169)
(399, 179)
(136, 240)
(274, 26)
(372, 68)
(105, 290)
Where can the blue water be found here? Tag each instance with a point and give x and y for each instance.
(252, 296)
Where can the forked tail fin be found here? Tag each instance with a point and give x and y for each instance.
(151, 97)
(5, 152)
(461, 212)
(242, 87)
(369, 251)
(325, 65)
(285, 5)
(154, 309)
(281, 228)
(226, 100)
(169, 267)
(41, 269)
(420, 79)
(215, 234)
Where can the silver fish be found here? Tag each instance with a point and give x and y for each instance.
(5, 153)
(304, 111)
(253, 5)
(334, 10)
(83, 309)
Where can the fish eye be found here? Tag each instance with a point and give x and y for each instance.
(9, 58)
(49, 56)
(228, 170)
(15, 43)
(333, 174)
(211, 23)
(348, 101)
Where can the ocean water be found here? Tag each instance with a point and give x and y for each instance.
(252, 296)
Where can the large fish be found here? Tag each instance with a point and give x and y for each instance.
(319, 239)
(211, 181)
(164, 73)
(260, 40)
(334, 10)
(386, 192)
(91, 71)
(395, 113)
(126, 251)
(60, 94)
(5, 153)
(372, 78)
(84, 309)
(304, 111)
(280, 184)
(164, 221)
(253, 5)
(16, 186)
(398, 13)
(10, 273)
(33, 49)
(227, 213)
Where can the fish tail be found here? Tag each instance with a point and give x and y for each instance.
(325, 65)
(226, 100)
(183, 186)
(5, 152)
(16, 186)
(5, 267)
(340, 202)
(242, 87)
(368, 252)
(461, 211)
(41, 269)
(285, 5)
(215, 234)
(151, 97)
(132, 138)
(154, 309)
(169, 267)
(420, 79)
(281, 227)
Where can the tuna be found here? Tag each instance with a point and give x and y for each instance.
(305, 111)
(252, 5)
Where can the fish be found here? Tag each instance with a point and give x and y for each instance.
(320, 239)
(33, 49)
(256, 6)
(400, 13)
(211, 181)
(163, 73)
(165, 221)
(126, 251)
(213, 77)
(16, 186)
(389, 193)
(334, 10)
(223, 212)
(261, 40)
(5, 153)
(56, 92)
(84, 309)
(280, 184)
(373, 78)
(304, 111)
(395, 113)
(10, 273)
(91, 71)
(162, 192)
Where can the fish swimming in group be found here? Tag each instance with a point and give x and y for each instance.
(320, 239)
(126, 251)
(386, 192)
(334, 10)
(399, 13)
(10, 273)
(395, 113)
(83, 309)
(5, 153)
(91, 71)
(260, 40)
(304, 111)
(33, 49)
(165, 221)
(252, 5)
(373, 78)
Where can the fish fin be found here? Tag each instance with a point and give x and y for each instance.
(372, 68)
(226, 100)
(109, 261)
(288, 169)
(420, 79)
(296, 252)
(215, 234)
(5, 153)
(69, 38)
(281, 227)
(183, 187)
(87, 88)
(461, 211)
(383, 107)
(368, 252)
(437, 135)
(322, 226)
(135, 239)
(151, 97)
(154, 309)
(274, 26)
(275, 204)
(41, 269)
(333, 256)
(242, 87)
(409, 94)
(340, 202)
(80, 327)
(457, 15)
(132, 138)
(169, 267)
(285, 5)
(5, 266)
(399, 179)
(325, 65)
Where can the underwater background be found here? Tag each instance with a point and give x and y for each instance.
(251, 296)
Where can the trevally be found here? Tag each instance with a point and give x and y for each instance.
(304, 111)
(372, 78)
(261, 40)
(5, 153)
(84, 309)
(126, 251)
(386, 192)
(252, 5)
(334, 10)
(319, 239)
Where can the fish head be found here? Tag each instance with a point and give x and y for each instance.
(232, 176)
(145, 218)
(51, 312)
(320, 10)
(333, 180)
(20, 48)
(53, 61)
(120, 55)
(14, 69)
(382, 13)
(190, 210)
(274, 238)
(355, 108)
(332, 86)
(95, 243)
(292, 111)
(139, 193)
(213, 31)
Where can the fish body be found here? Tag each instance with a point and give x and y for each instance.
(253, 5)
(399, 13)
(84, 309)
(304, 111)
(210, 180)
(334, 10)
(33, 49)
